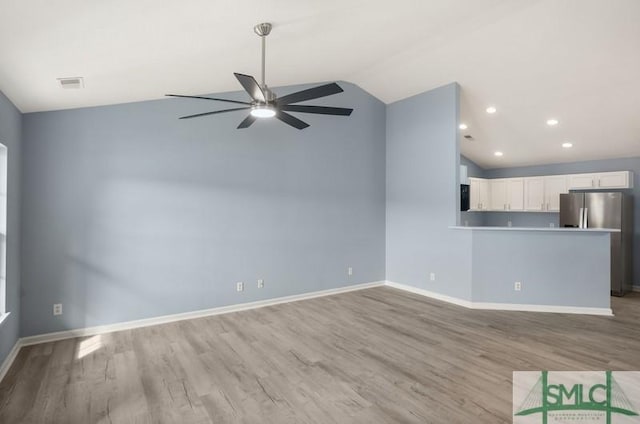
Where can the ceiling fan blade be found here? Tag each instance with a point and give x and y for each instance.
(323, 110)
(252, 87)
(214, 112)
(311, 93)
(246, 123)
(291, 120)
(208, 98)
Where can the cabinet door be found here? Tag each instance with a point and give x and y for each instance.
(554, 186)
(613, 180)
(534, 194)
(498, 193)
(582, 181)
(474, 193)
(485, 194)
(515, 194)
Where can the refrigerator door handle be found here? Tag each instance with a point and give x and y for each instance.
(586, 219)
(581, 218)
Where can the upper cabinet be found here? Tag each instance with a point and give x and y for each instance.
(601, 181)
(534, 196)
(507, 194)
(554, 186)
(515, 194)
(542, 194)
(539, 194)
(498, 193)
(479, 194)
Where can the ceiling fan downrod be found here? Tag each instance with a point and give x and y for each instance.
(263, 30)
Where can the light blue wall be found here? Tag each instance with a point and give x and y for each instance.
(473, 169)
(131, 213)
(543, 219)
(10, 135)
(423, 196)
(540, 261)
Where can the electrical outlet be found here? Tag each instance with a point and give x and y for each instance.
(466, 223)
(551, 225)
(509, 224)
(432, 276)
(239, 286)
(517, 286)
(350, 271)
(260, 284)
(57, 309)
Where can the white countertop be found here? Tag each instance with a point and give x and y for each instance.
(561, 229)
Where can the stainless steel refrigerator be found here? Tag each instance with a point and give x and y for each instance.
(605, 210)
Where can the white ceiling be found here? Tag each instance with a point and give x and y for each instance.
(574, 60)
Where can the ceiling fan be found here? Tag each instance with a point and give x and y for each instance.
(264, 102)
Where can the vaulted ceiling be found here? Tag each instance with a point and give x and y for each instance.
(577, 61)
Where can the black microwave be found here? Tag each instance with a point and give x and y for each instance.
(464, 197)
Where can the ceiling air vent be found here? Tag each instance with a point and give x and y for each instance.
(72, 82)
(468, 137)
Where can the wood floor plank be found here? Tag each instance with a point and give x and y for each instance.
(373, 356)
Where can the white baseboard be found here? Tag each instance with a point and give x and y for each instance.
(503, 306)
(128, 325)
(582, 310)
(432, 295)
(8, 361)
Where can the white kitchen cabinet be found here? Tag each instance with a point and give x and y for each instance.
(479, 194)
(602, 180)
(515, 194)
(622, 179)
(507, 194)
(534, 194)
(582, 181)
(554, 186)
(498, 190)
(539, 194)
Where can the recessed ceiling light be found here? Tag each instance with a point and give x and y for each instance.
(498, 154)
(552, 122)
(567, 145)
(463, 126)
(491, 109)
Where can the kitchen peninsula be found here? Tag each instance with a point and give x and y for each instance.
(539, 269)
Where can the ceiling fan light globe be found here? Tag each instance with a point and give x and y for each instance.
(263, 112)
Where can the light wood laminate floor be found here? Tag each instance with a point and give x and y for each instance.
(372, 356)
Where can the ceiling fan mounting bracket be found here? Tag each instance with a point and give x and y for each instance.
(263, 29)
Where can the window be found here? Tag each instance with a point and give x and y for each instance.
(3, 231)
